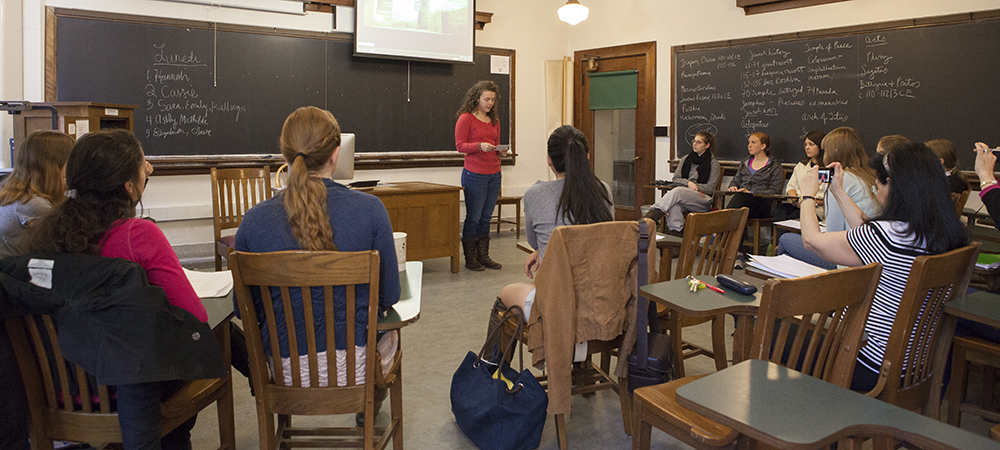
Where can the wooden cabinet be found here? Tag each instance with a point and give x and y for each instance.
(75, 118)
(429, 215)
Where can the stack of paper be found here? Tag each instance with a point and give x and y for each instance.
(795, 224)
(783, 266)
(988, 261)
(210, 284)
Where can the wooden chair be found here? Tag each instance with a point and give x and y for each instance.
(507, 200)
(756, 225)
(234, 192)
(50, 380)
(586, 378)
(670, 246)
(279, 176)
(905, 378)
(297, 270)
(711, 241)
(960, 198)
(968, 350)
(829, 311)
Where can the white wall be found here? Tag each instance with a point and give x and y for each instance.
(530, 27)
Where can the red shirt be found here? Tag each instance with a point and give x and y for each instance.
(469, 132)
(141, 241)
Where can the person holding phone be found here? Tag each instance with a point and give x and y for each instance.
(989, 193)
(477, 135)
(701, 172)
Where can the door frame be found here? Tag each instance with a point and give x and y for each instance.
(642, 57)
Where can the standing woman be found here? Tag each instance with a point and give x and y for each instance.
(758, 174)
(477, 134)
(702, 172)
(37, 183)
(106, 175)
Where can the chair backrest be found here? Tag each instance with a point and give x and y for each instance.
(828, 310)
(64, 401)
(234, 191)
(279, 276)
(711, 241)
(279, 176)
(934, 281)
(960, 198)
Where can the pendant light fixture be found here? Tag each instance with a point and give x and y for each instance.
(573, 12)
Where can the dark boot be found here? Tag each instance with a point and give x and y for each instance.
(483, 244)
(471, 256)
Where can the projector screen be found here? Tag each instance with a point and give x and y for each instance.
(439, 30)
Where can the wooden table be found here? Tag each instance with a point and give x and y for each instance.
(790, 410)
(676, 295)
(428, 214)
(980, 306)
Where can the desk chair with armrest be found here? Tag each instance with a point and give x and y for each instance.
(829, 311)
(615, 244)
(670, 245)
(756, 225)
(234, 192)
(291, 270)
(709, 247)
(49, 381)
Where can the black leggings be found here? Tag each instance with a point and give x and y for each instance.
(760, 208)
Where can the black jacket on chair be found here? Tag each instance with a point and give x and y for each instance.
(111, 321)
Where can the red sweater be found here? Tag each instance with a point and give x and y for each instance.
(141, 241)
(469, 132)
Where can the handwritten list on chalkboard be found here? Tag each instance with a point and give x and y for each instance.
(925, 83)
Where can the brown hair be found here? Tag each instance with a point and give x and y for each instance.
(843, 145)
(890, 142)
(945, 150)
(764, 139)
(471, 101)
(38, 165)
(308, 139)
(816, 136)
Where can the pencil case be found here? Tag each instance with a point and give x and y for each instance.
(736, 285)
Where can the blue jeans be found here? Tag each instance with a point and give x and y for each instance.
(139, 417)
(481, 192)
(792, 245)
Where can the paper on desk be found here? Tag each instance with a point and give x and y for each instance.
(793, 223)
(784, 266)
(988, 261)
(210, 284)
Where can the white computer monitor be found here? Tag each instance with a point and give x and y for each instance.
(345, 162)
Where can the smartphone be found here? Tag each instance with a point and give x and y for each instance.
(825, 175)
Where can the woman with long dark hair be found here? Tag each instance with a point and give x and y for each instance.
(106, 175)
(701, 172)
(575, 197)
(917, 218)
(814, 157)
(37, 183)
(477, 134)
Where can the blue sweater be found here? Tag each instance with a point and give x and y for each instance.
(360, 222)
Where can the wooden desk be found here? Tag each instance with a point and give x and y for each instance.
(676, 294)
(791, 410)
(428, 214)
(982, 307)
(407, 309)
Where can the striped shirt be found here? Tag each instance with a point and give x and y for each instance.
(889, 244)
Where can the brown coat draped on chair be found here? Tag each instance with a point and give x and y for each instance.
(585, 290)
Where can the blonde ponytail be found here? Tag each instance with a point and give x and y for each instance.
(308, 139)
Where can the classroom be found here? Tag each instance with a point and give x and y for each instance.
(182, 203)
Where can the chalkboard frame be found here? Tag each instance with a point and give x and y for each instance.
(202, 164)
(730, 166)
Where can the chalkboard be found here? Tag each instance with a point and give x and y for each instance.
(210, 91)
(923, 82)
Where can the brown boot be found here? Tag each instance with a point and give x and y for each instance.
(483, 244)
(471, 256)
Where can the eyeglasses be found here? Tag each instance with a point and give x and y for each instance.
(697, 141)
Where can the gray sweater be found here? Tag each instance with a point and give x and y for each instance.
(540, 218)
(14, 219)
(768, 180)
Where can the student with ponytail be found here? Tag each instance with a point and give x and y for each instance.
(575, 197)
(315, 213)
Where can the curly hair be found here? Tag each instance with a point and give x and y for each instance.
(96, 172)
(38, 165)
(470, 103)
(308, 139)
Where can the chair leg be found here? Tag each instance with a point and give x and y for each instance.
(677, 341)
(218, 262)
(517, 219)
(396, 403)
(641, 430)
(719, 342)
(265, 427)
(959, 378)
(499, 217)
(626, 401)
(227, 421)
(561, 431)
(666, 261)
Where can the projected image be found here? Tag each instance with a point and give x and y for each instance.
(432, 16)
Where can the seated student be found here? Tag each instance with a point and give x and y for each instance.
(701, 171)
(106, 175)
(890, 142)
(316, 213)
(946, 152)
(907, 226)
(814, 157)
(575, 197)
(844, 152)
(37, 183)
(758, 174)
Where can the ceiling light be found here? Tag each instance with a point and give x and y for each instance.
(573, 12)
